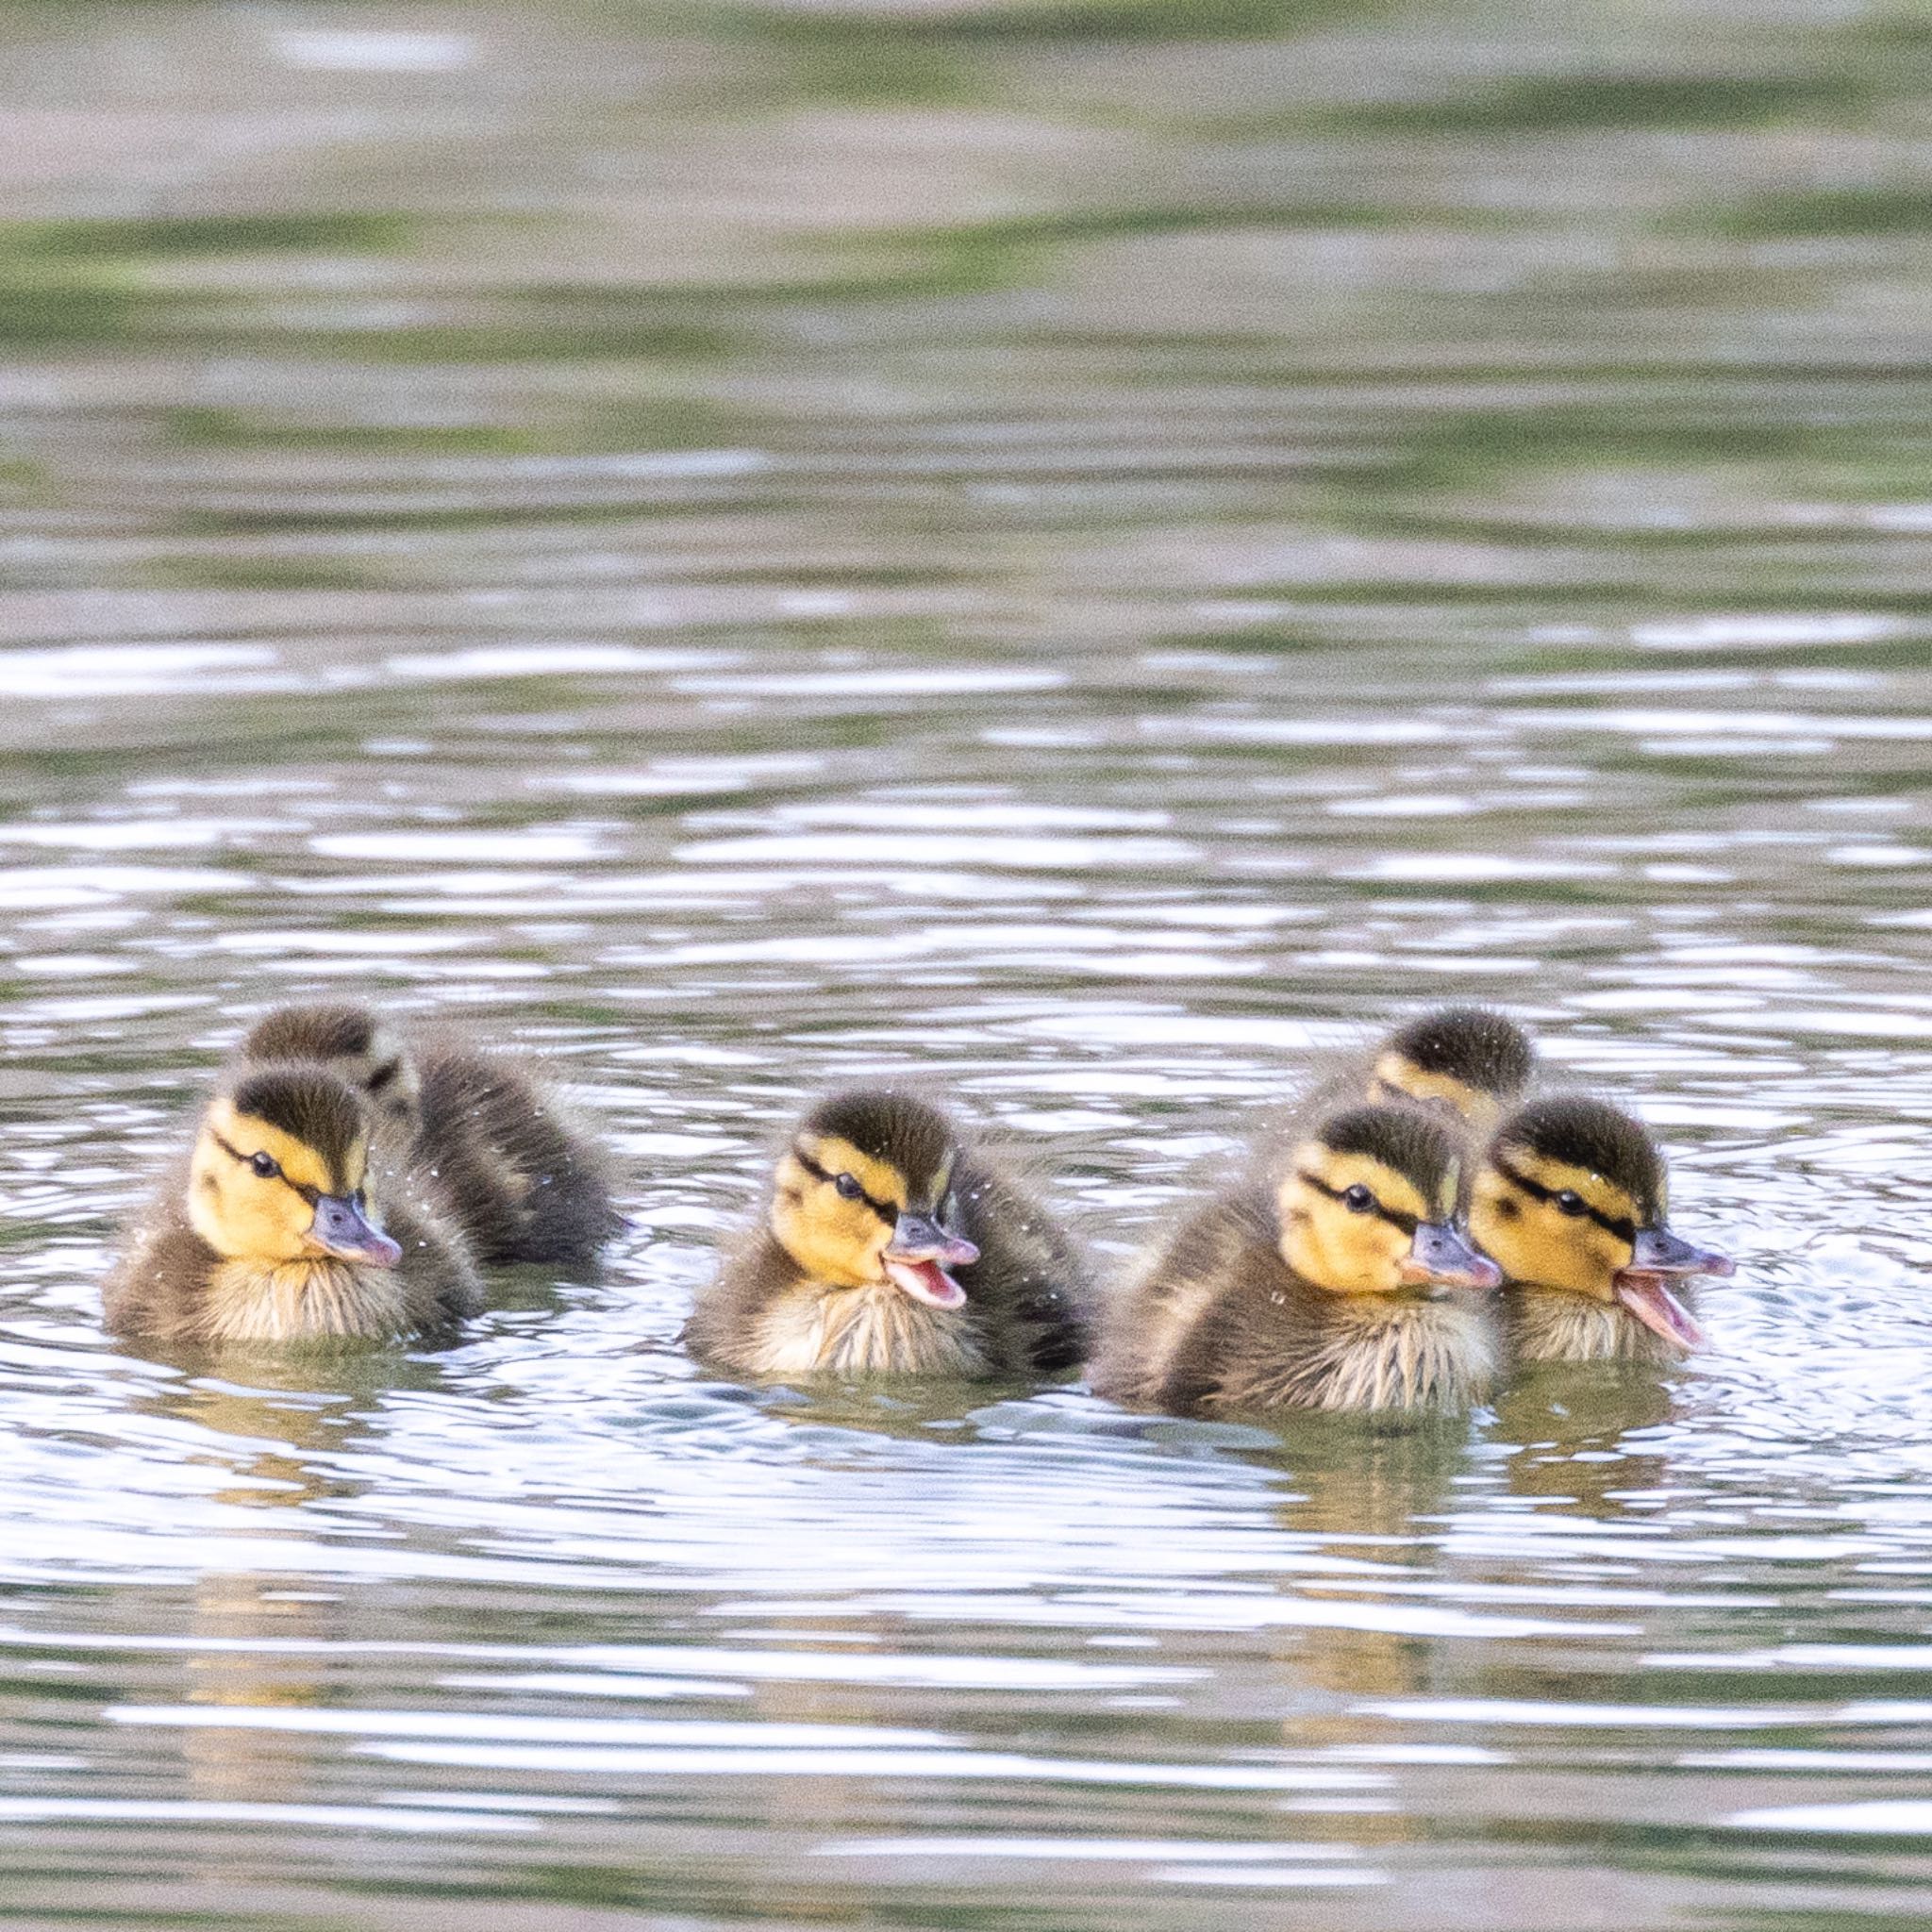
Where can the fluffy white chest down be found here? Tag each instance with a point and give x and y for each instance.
(1394, 1352)
(863, 1331)
(307, 1301)
(1548, 1325)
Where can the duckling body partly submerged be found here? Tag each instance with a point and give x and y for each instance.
(1313, 1283)
(266, 1234)
(1569, 1200)
(522, 1181)
(892, 1248)
(525, 1184)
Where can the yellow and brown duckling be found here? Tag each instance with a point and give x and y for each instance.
(1470, 1062)
(270, 1237)
(1569, 1199)
(1318, 1282)
(355, 1045)
(893, 1246)
(522, 1181)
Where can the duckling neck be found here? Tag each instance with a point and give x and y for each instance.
(302, 1301)
(818, 1329)
(1392, 1351)
(1553, 1325)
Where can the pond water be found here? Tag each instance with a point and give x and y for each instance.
(1090, 554)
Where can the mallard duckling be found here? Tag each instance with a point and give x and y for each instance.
(893, 1248)
(523, 1183)
(355, 1045)
(269, 1237)
(1316, 1283)
(1469, 1061)
(1569, 1199)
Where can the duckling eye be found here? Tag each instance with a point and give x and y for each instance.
(264, 1164)
(1358, 1199)
(849, 1187)
(1570, 1202)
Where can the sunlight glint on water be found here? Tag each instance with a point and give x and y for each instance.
(1087, 569)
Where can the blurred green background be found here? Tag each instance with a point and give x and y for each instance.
(1088, 554)
(1025, 306)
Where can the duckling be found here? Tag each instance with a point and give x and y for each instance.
(1468, 1061)
(893, 1246)
(353, 1045)
(1315, 1282)
(1569, 1199)
(522, 1182)
(269, 1235)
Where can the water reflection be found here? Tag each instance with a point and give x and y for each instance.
(1093, 555)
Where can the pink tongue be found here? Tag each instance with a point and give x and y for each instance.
(1652, 1304)
(927, 1282)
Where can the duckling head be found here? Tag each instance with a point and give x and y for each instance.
(1572, 1194)
(861, 1197)
(278, 1171)
(1369, 1200)
(352, 1043)
(1468, 1060)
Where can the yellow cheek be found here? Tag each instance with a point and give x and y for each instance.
(1346, 1254)
(1532, 1243)
(245, 1218)
(1437, 1090)
(832, 1239)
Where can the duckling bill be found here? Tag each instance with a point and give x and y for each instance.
(270, 1236)
(1570, 1200)
(1318, 1282)
(893, 1248)
(521, 1180)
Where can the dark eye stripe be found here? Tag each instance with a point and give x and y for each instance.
(887, 1214)
(1626, 1230)
(309, 1195)
(1396, 1217)
(382, 1076)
